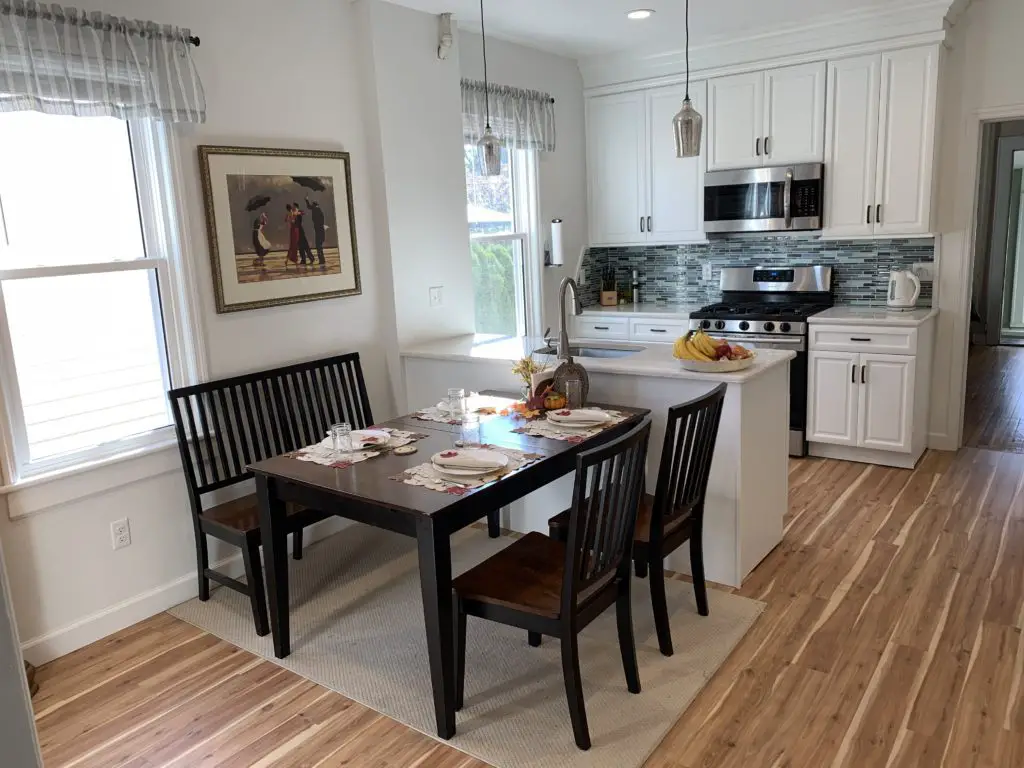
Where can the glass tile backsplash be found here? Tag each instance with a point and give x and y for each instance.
(674, 273)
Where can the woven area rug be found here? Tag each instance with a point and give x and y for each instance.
(357, 628)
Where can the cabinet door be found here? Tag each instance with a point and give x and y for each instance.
(832, 397)
(851, 145)
(676, 185)
(794, 99)
(886, 402)
(616, 161)
(736, 121)
(906, 141)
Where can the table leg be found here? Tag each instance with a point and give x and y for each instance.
(275, 558)
(435, 555)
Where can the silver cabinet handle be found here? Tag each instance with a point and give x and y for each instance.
(650, 223)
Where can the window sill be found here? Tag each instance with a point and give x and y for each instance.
(42, 492)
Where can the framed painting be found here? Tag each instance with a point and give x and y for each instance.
(281, 226)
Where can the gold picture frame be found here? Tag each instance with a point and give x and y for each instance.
(280, 229)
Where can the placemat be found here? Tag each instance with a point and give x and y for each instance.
(324, 453)
(426, 476)
(541, 427)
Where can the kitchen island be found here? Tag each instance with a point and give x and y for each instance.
(748, 490)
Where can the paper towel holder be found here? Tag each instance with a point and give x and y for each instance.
(554, 255)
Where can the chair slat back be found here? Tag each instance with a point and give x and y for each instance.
(690, 436)
(606, 496)
(225, 425)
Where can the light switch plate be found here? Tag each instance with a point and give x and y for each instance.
(925, 271)
(436, 295)
(706, 272)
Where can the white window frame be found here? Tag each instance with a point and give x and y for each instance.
(157, 176)
(524, 173)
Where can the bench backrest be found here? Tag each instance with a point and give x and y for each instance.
(223, 426)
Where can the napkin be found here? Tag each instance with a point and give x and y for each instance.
(468, 460)
(588, 415)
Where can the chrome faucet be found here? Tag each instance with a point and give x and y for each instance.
(577, 308)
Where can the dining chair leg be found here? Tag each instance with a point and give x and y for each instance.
(700, 587)
(494, 523)
(659, 604)
(297, 545)
(254, 580)
(627, 643)
(460, 654)
(202, 563)
(574, 687)
(640, 567)
(533, 638)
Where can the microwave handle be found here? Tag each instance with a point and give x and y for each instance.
(787, 199)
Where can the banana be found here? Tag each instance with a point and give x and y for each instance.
(696, 352)
(703, 342)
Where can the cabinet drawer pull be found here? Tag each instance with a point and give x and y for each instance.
(859, 338)
(863, 374)
(657, 330)
(601, 328)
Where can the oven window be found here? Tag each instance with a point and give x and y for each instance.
(743, 202)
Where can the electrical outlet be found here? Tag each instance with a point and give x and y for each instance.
(925, 270)
(120, 533)
(436, 295)
(706, 271)
(583, 275)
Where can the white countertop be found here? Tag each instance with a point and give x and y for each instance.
(874, 316)
(655, 360)
(646, 309)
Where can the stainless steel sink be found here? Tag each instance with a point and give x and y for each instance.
(587, 351)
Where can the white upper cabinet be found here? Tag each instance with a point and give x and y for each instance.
(773, 117)
(735, 121)
(640, 192)
(616, 164)
(880, 145)
(851, 145)
(676, 202)
(794, 104)
(906, 141)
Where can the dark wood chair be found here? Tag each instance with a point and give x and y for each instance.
(675, 513)
(223, 426)
(552, 588)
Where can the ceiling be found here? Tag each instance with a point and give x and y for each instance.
(582, 28)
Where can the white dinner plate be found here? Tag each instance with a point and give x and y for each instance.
(494, 460)
(580, 418)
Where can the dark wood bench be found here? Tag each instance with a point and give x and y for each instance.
(224, 426)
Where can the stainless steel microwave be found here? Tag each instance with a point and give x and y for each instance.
(782, 199)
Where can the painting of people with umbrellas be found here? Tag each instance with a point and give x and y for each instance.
(269, 226)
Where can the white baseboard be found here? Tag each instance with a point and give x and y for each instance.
(941, 442)
(78, 634)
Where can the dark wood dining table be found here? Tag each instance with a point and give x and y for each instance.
(367, 493)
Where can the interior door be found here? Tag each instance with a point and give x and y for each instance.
(851, 145)
(794, 99)
(1003, 305)
(909, 87)
(676, 185)
(736, 121)
(886, 401)
(832, 400)
(616, 154)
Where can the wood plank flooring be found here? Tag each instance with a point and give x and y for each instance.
(994, 408)
(893, 638)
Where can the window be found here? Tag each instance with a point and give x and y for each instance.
(85, 343)
(501, 211)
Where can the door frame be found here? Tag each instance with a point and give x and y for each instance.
(999, 238)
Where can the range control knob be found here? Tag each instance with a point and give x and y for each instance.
(705, 323)
(785, 327)
(719, 324)
(744, 325)
(769, 326)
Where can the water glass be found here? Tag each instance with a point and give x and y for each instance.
(341, 437)
(574, 393)
(469, 432)
(456, 403)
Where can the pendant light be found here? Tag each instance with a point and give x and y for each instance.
(688, 124)
(489, 145)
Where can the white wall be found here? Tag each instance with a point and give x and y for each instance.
(275, 76)
(981, 79)
(562, 173)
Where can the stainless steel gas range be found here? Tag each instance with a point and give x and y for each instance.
(768, 307)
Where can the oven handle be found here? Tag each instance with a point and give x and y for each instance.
(787, 199)
(798, 343)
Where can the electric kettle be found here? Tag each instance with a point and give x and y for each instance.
(904, 289)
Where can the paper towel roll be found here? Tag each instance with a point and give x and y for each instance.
(557, 255)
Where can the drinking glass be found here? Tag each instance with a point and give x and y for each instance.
(469, 432)
(456, 403)
(574, 393)
(341, 437)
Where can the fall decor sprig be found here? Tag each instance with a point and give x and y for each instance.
(526, 368)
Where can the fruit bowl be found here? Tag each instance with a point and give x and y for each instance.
(717, 366)
(696, 351)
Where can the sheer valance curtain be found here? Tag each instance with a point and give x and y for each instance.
(66, 61)
(520, 119)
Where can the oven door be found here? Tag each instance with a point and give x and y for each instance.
(764, 199)
(797, 381)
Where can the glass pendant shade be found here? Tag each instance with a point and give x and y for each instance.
(689, 128)
(490, 150)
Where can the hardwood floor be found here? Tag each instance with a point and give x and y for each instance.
(892, 638)
(994, 409)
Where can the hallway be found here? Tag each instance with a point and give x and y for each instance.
(994, 408)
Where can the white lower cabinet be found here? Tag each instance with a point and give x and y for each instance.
(624, 327)
(864, 405)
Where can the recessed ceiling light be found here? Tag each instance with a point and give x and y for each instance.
(640, 13)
